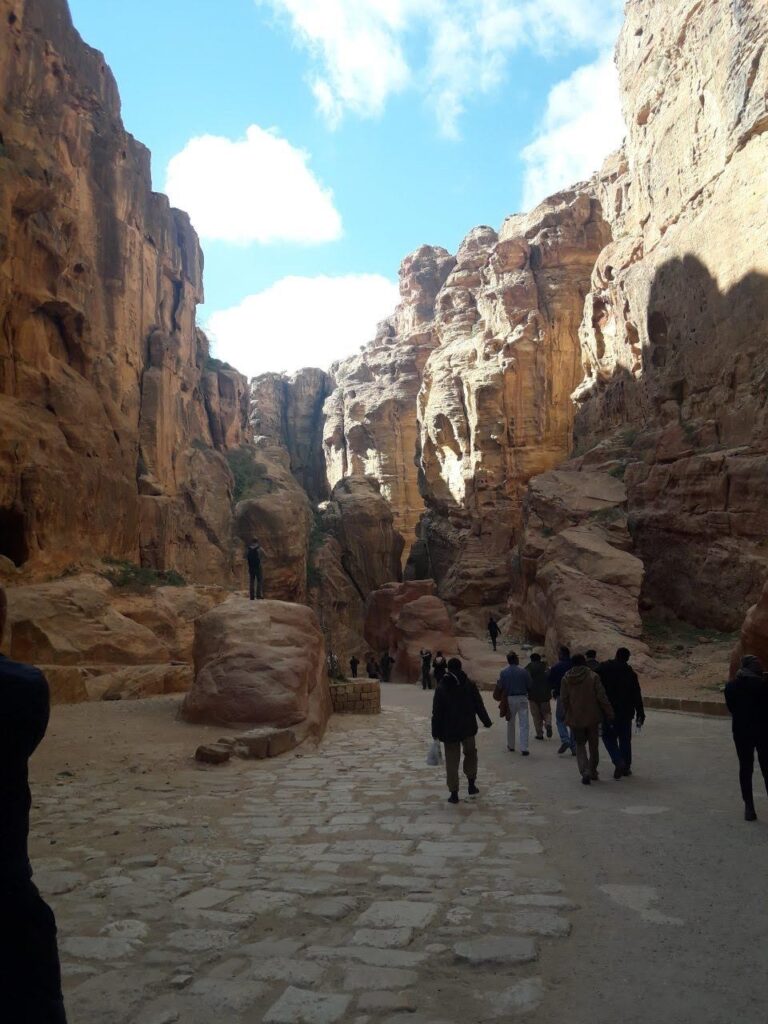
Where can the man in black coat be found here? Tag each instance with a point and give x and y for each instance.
(623, 690)
(456, 706)
(255, 570)
(30, 979)
(747, 698)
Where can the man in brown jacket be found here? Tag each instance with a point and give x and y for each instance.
(585, 705)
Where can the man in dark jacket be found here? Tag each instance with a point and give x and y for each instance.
(493, 630)
(385, 663)
(456, 706)
(255, 571)
(556, 673)
(30, 979)
(622, 687)
(592, 661)
(354, 661)
(586, 706)
(747, 698)
(426, 669)
(539, 696)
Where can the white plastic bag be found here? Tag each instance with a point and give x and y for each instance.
(434, 754)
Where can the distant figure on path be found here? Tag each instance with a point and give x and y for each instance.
(622, 687)
(30, 977)
(747, 698)
(371, 667)
(539, 696)
(515, 684)
(493, 630)
(354, 661)
(386, 664)
(456, 706)
(426, 669)
(585, 705)
(556, 673)
(439, 666)
(592, 661)
(255, 571)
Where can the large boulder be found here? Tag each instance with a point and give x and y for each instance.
(754, 633)
(260, 663)
(403, 618)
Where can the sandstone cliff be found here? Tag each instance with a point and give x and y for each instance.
(112, 417)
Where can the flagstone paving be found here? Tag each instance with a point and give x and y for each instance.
(326, 886)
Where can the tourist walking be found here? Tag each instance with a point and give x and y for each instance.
(371, 667)
(386, 664)
(426, 669)
(30, 977)
(456, 706)
(622, 687)
(556, 673)
(354, 661)
(493, 630)
(585, 705)
(539, 697)
(514, 684)
(255, 570)
(439, 666)
(747, 698)
(592, 661)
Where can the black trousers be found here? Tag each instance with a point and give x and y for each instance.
(30, 977)
(256, 584)
(746, 745)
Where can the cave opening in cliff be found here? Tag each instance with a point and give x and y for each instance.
(13, 538)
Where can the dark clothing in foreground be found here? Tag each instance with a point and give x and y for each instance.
(453, 759)
(255, 574)
(493, 631)
(622, 687)
(386, 664)
(556, 674)
(440, 667)
(353, 663)
(456, 706)
(540, 690)
(426, 669)
(617, 738)
(747, 698)
(372, 670)
(30, 980)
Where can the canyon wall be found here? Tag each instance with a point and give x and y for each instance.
(113, 419)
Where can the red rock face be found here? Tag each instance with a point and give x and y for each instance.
(112, 418)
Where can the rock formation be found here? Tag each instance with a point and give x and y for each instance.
(260, 663)
(112, 417)
(754, 633)
(674, 331)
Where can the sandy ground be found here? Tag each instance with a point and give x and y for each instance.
(296, 890)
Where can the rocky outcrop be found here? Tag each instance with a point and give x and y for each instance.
(112, 417)
(370, 417)
(404, 618)
(289, 409)
(673, 337)
(260, 663)
(754, 633)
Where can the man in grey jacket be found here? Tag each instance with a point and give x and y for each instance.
(514, 683)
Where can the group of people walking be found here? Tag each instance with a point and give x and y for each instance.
(591, 697)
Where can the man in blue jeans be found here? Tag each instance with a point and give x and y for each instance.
(623, 690)
(556, 673)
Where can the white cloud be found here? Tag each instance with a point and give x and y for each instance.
(302, 321)
(582, 124)
(255, 189)
(365, 51)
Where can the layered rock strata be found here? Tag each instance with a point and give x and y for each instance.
(674, 332)
(112, 417)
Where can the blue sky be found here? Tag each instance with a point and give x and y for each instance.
(377, 125)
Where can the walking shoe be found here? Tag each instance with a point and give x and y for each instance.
(619, 770)
(512, 749)
(573, 751)
(473, 790)
(563, 748)
(594, 776)
(627, 770)
(539, 737)
(749, 812)
(586, 779)
(525, 753)
(549, 732)
(454, 797)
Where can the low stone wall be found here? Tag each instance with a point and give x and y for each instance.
(356, 698)
(691, 705)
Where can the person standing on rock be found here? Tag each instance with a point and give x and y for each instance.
(746, 696)
(493, 630)
(556, 673)
(622, 688)
(255, 570)
(30, 976)
(585, 706)
(456, 706)
(354, 661)
(515, 684)
(386, 664)
(439, 667)
(539, 696)
(426, 669)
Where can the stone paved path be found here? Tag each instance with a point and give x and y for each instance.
(336, 885)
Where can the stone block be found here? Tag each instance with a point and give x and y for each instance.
(212, 753)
